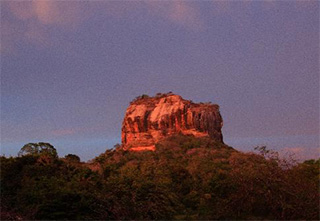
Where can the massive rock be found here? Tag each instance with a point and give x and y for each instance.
(150, 119)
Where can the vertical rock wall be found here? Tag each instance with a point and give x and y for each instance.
(150, 119)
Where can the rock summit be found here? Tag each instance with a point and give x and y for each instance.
(151, 119)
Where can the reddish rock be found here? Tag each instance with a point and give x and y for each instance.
(150, 119)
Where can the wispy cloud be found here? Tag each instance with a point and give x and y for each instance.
(27, 21)
(21, 9)
(37, 15)
(183, 13)
(47, 12)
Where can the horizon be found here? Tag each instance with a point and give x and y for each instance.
(70, 69)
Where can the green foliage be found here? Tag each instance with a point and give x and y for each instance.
(40, 148)
(185, 178)
(141, 97)
(144, 96)
(72, 158)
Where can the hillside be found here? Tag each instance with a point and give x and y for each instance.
(184, 178)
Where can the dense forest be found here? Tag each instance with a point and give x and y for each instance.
(185, 178)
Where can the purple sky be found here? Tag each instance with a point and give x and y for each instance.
(70, 68)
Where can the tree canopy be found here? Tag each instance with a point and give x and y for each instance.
(40, 148)
(185, 178)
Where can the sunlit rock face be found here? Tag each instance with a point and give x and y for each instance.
(150, 119)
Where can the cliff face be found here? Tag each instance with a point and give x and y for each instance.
(150, 119)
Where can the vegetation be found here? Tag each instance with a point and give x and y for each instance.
(38, 149)
(72, 158)
(145, 97)
(185, 178)
(141, 97)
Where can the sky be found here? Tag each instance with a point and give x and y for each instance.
(70, 68)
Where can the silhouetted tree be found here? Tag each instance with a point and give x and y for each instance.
(72, 158)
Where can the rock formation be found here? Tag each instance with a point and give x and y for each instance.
(150, 119)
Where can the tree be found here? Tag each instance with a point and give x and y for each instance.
(36, 149)
(72, 158)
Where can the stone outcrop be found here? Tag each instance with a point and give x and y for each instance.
(150, 119)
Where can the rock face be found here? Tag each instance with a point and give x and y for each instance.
(150, 119)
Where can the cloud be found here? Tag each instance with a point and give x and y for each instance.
(72, 12)
(48, 12)
(21, 9)
(29, 20)
(65, 13)
(182, 13)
